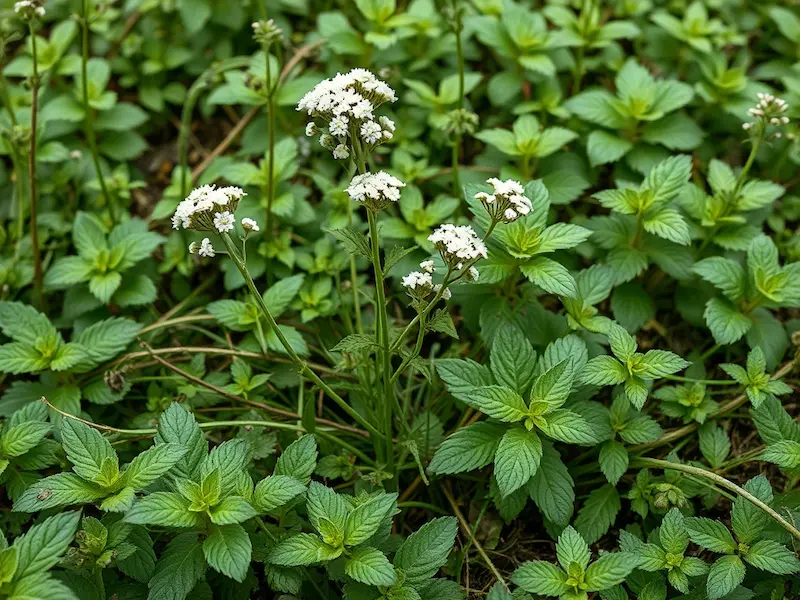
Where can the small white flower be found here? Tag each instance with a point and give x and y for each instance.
(224, 221)
(473, 274)
(249, 225)
(76, 155)
(371, 132)
(341, 152)
(446, 294)
(311, 129)
(206, 249)
(193, 248)
(199, 209)
(386, 123)
(457, 243)
(507, 202)
(375, 190)
(746, 126)
(510, 214)
(338, 126)
(427, 266)
(415, 280)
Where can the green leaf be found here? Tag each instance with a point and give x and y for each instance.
(496, 401)
(670, 225)
(17, 440)
(748, 521)
(472, 447)
(553, 386)
(152, 464)
(89, 452)
(167, 509)
(603, 370)
(769, 555)
(785, 454)
(68, 271)
(726, 323)
(462, 375)
(603, 147)
(725, 274)
(512, 358)
(567, 426)
(370, 566)
(278, 297)
(233, 509)
(363, 521)
(276, 490)
(598, 513)
(551, 487)
(725, 575)
(88, 235)
(572, 548)
(299, 459)
(302, 549)
(61, 489)
(539, 577)
(106, 339)
(710, 534)
(517, 459)
(177, 425)
(613, 460)
(659, 363)
(354, 241)
(426, 550)
(180, 567)
(325, 505)
(228, 550)
(551, 276)
(609, 570)
(44, 544)
(714, 444)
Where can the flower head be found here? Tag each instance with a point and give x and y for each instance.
(29, 9)
(206, 249)
(249, 225)
(375, 190)
(457, 243)
(266, 32)
(427, 266)
(207, 206)
(507, 202)
(347, 104)
(770, 110)
(418, 285)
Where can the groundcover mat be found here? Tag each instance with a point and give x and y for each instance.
(399, 300)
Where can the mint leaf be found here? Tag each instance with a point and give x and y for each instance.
(370, 566)
(228, 550)
(517, 459)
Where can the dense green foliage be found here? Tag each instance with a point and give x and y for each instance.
(427, 300)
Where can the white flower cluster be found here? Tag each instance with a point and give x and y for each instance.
(417, 280)
(28, 8)
(419, 284)
(347, 103)
(204, 249)
(508, 201)
(769, 109)
(457, 243)
(208, 208)
(375, 190)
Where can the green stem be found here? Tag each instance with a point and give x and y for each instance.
(37, 256)
(101, 586)
(703, 381)
(382, 319)
(721, 481)
(460, 62)
(88, 122)
(271, 136)
(301, 364)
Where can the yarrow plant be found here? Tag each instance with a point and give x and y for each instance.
(375, 191)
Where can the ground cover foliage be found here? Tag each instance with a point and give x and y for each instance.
(399, 300)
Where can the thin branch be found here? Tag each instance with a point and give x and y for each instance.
(235, 398)
(722, 482)
(468, 532)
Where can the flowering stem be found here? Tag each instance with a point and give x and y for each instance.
(381, 319)
(721, 481)
(750, 159)
(271, 136)
(88, 117)
(37, 256)
(301, 364)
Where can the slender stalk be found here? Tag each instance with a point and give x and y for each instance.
(722, 482)
(37, 256)
(703, 381)
(88, 119)
(383, 339)
(457, 26)
(271, 89)
(301, 364)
